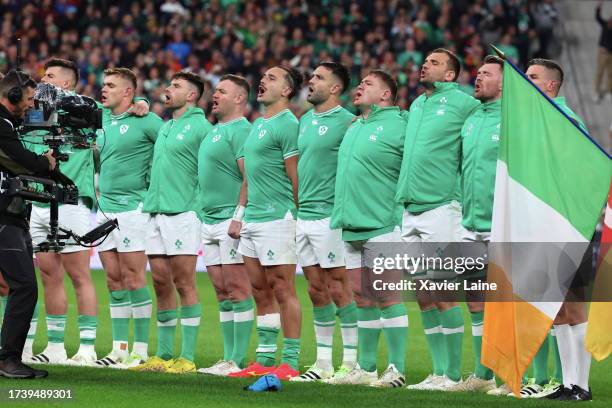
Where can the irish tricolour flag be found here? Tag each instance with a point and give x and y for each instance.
(551, 185)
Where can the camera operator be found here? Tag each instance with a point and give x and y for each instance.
(16, 266)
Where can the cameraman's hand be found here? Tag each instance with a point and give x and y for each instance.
(234, 229)
(50, 159)
(140, 108)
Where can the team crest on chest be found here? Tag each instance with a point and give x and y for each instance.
(123, 129)
(262, 133)
(322, 130)
(180, 136)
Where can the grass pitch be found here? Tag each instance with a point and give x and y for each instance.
(92, 387)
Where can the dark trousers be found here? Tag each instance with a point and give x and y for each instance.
(17, 268)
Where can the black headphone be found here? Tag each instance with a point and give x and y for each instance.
(15, 94)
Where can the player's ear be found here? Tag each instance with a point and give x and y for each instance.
(335, 89)
(386, 95)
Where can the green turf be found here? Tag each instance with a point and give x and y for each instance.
(113, 388)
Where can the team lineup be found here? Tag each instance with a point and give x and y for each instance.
(261, 197)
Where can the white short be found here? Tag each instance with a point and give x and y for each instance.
(475, 236)
(177, 234)
(442, 224)
(317, 243)
(219, 248)
(75, 218)
(272, 242)
(130, 236)
(353, 249)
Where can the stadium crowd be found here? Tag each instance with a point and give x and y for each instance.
(159, 38)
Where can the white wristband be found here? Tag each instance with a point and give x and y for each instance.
(239, 213)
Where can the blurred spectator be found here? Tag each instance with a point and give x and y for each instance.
(604, 56)
(212, 37)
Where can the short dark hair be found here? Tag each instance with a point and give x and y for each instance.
(339, 71)
(294, 78)
(494, 59)
(15, 79)
(238, 81)
(124, 73)
(550, 65)
(387, 80)
(453, 60)
(64, 63)
(193, 79)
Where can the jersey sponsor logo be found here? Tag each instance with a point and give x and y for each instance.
(180, 136)
(495, 137)
(322, 130)
(372, 138)
(262, 133)
(440, 112)
(123, 129)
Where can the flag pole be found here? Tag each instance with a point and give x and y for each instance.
(581, 130)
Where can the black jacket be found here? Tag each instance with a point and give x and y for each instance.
(15, 159)
(605, 38)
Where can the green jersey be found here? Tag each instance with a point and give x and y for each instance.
(218, 173)
(432, 156)
(560, 102)
(369, 163)
(319, 139)
(126, 149)
(174, 172)
(479, 146)
(79, 167)
(270, 142)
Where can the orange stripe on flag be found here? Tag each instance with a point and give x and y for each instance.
(513, 332)
(599, 330)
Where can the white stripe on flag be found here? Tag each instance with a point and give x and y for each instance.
(477, 330)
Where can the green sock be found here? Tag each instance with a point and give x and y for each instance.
(348, 327)
(558, 370)
(452, 328)
(142, 306)
(291, 352)
(540, 364)
(244, 315)
(432, 325)
(226, 317)
(480, 371)
(190, 324)
(395, 327)
(166, 329)
(56, 324)
(120, 313)
(369, 328)
(324, 324)
(268, 327)
(2, 307)
(87, 329)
